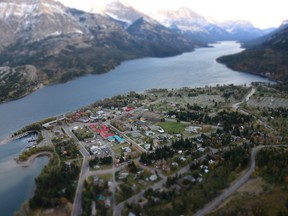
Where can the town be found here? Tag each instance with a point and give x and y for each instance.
(166, 152)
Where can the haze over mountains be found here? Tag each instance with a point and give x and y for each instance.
(184, 20)
(59, 43)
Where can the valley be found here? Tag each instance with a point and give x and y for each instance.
(62, 43)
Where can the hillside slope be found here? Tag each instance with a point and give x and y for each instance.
(62, 43)
(269, 58)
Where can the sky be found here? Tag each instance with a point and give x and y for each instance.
(262, 13)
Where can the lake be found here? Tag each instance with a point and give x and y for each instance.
(16, 182)
(195, 69)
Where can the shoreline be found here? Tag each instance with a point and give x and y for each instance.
(36, 88)
(42, 85)
(31, 159)
(275, 81)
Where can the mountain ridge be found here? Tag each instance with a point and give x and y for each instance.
(207, 29)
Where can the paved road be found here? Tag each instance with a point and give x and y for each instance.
(77, 204)
(247, 97)
(236, 106)
(210, 206)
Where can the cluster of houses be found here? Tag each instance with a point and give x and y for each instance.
(103, 130)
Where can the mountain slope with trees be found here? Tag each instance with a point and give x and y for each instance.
(267, 58)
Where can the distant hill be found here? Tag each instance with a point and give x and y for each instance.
(266, 56)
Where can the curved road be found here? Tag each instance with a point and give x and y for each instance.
(210, 206)
(247, 97)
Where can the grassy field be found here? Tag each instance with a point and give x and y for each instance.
(105, 177)
(172, 127)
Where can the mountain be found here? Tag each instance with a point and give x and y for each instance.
(62, 43)
(190, 23)
(118, 12)
(182, 21)
(204, 29)
(267, 57)
(242, 30)
(161, 40)
(34, 20)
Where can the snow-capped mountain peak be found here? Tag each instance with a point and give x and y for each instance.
(118, 11)
(22, 9)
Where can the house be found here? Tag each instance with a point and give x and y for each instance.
(119, 139)
(190, 178)
(100, 113)
(93, 118)
(175, 164)
(94, 150)
(111, 139)
(107, 203)
(200, 149)
(199, 140)
(123, 175)
(83, 120)
(204, 168)
(129, 109)
(95, 179)
(149, 133)
(153, 177)
(193, 129)
(147, 147)
(211, 161)
(127, 149)
(182, 158)
(136, 134)
(161, 130)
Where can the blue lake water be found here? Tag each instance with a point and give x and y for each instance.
(195, 69)
(16, 182)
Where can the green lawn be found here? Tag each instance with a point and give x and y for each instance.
(172, 127)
